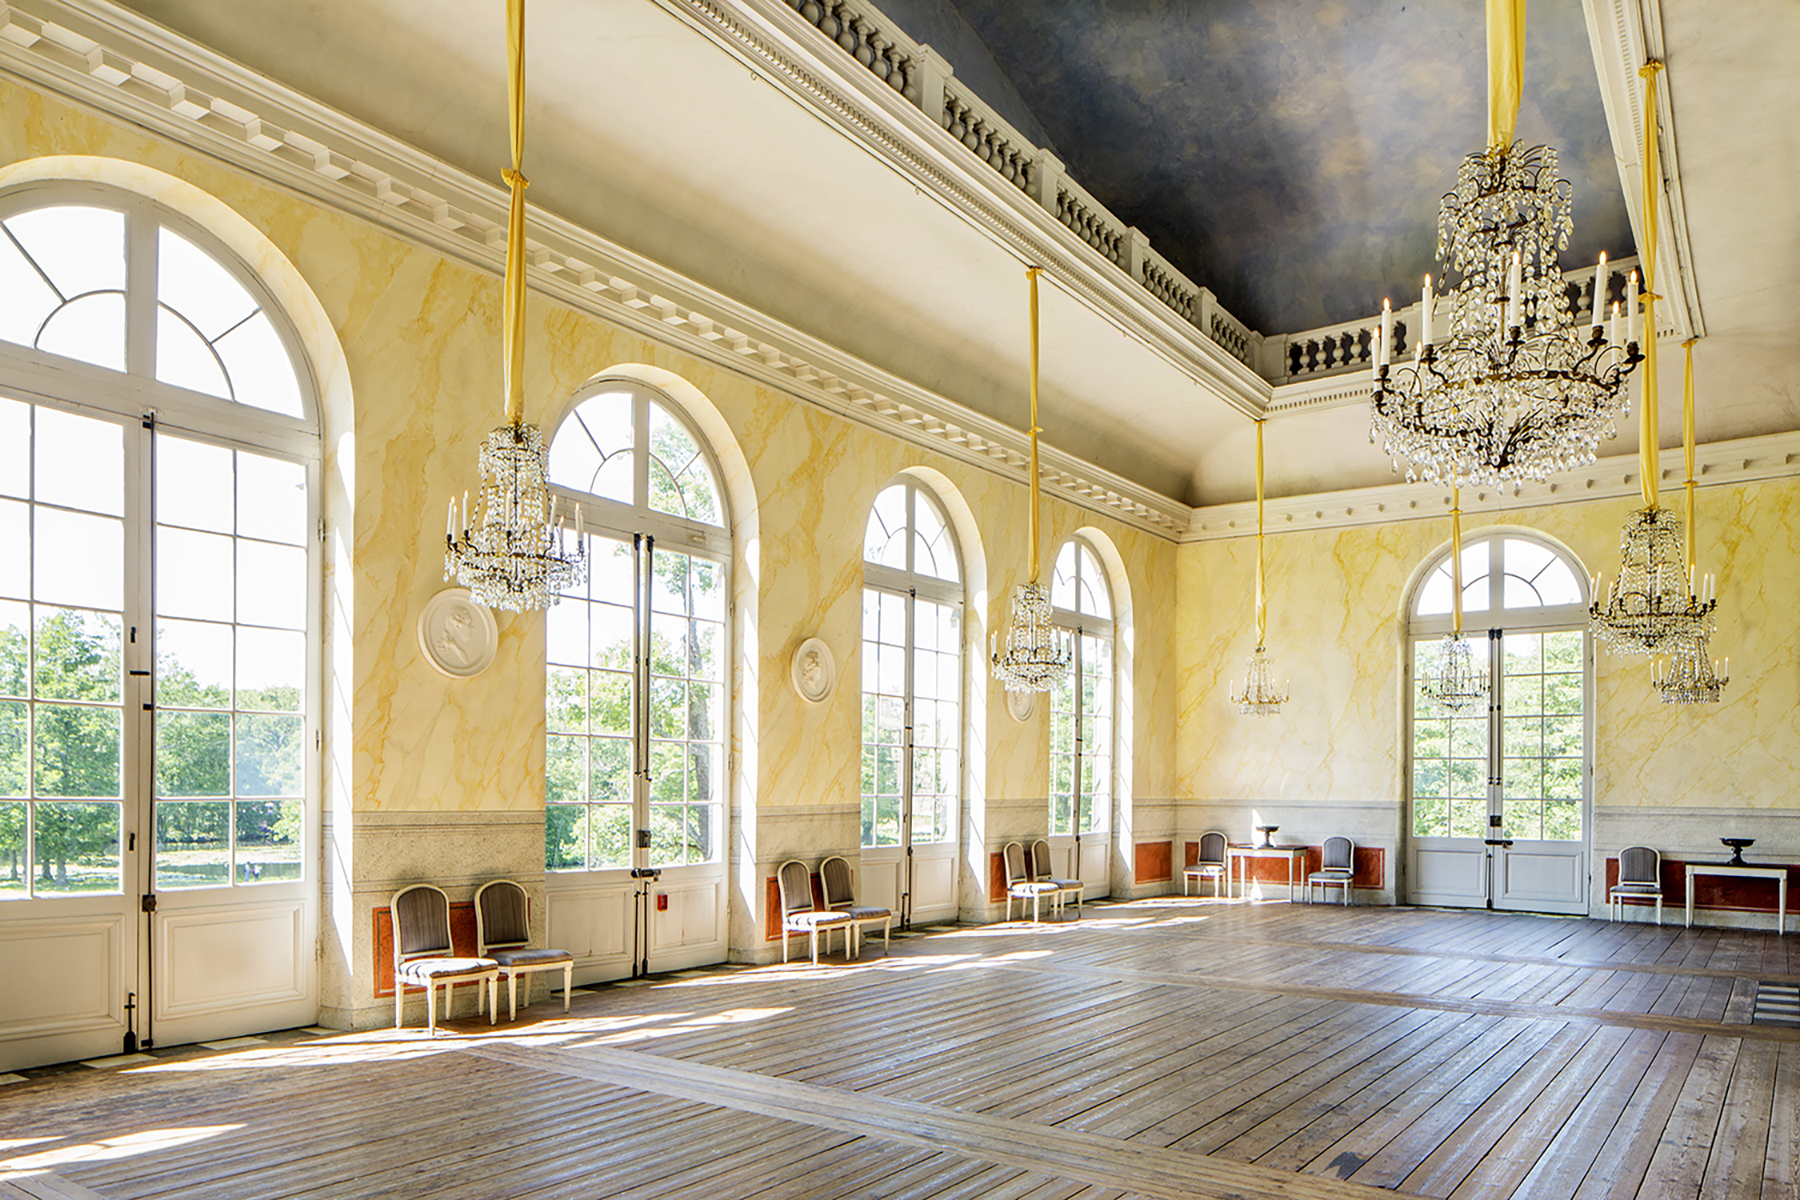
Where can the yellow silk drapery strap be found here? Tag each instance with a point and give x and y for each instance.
(1506, 68)
(1650, 430)
(1032, 274)
(513, 293)
(1262, 597)
(1687, 443)
(1456, 562)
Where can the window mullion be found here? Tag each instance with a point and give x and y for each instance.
(906, 722)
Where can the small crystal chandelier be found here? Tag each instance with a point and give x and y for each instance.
(511, 557)
(1037, 653)
(1690, 676)
(1259, 697)
(1459, 684)
(1517, 390)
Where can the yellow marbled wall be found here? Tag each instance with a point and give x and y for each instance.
(1335, 622)
(421, 338)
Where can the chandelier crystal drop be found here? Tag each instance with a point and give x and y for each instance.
(1458, 685)
(1690, 676)
(1260, 697)
(1656, 605)
(512, 557)
(1037, 654)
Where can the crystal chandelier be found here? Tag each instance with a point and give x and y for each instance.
(1037, 653)
(1458, 685)
(1690, 676)
(1259, 697)
(511, 557)
(1517, 390)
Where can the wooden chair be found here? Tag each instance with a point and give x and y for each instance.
(1019, 883)
(424, 957)
(1040, 871)
(840, 896)
(1337, 867)
(1640, 875)
(503, 933)
(798, 915)
(1209, 865)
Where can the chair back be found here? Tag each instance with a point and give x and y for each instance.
(1212, 849)
(1339, 854)
(834, 878)
(1040, 860)
(1014, 856)
(421, 916)
(1640, 864)
(796, 887)
(502, 916)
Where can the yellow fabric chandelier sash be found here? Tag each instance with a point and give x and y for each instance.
(513, 294)
(1649, 431)
(1506, 68)
(1687, 445)
(1032, 274)
(1456, 584)
(1262, 596)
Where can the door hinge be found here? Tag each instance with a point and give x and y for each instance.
(149, 902)
(318, 739)
(321, 529)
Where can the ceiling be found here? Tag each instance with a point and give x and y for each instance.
(1302, 144)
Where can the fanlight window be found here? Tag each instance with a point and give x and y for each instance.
(64, 277)
(1078, 585)
(1530, 576)
(921, 546)
(595, 451)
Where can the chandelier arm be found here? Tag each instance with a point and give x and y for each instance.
(1032, 273)
(513, 296)
(1506, 68)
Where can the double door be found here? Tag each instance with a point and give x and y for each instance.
(635, 759)
(1081, 764)
(1500, 794)
(157, 744)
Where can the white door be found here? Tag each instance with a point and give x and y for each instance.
(1081, 742)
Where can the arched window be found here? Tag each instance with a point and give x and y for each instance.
(911, 702)
(1081, 704)
(158, 602)
(1499, 795)
(636, 685)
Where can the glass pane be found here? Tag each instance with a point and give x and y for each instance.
(610, 702)
(668, 834)
(934, 549)
(78, 559)
(193, 844)
(193, 754)
(81, 249)
(1468, 818)
(13, 883)
(565, 769)
(269, 840)
(77, 751)
(91, 330)
(271, 669)
(565, 700)
(1062, 579)
(271, 499)
(25, 299)
(193, 664)
(193, 485)
(261, 372)
(1525, 819)
(1431, 819)
(271, 584)
(80, 462)
(15, 747)
(268, 755)
(565, 634)
(884, 539)
(15, 431)
(1562, 820)
(197, 286)
(609, 777)
(78, 655)
(76, 848)
(193, 574)
(612, 835)
(1558, 585)
(1519, 593)
(15, 548)
(591, 451)
(184, 360)
(680, 480)
(565, 837)
(610, 636)
(1434, 596)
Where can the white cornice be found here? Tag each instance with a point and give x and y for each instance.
(131, 70)
(1773, 456)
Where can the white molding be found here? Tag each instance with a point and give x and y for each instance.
(1771, 456)
(128, 69)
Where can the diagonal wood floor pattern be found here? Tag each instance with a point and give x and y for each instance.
(1164, 1048)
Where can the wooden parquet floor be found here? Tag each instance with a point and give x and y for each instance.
(1164, 1048)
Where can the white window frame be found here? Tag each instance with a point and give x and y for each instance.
(1080, 624)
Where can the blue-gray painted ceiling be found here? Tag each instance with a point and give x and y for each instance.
(1288, 154)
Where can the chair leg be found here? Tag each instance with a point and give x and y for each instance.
(512, 995)
(815, 945)
(399, 999)
(784, 942)
(568, 982)
(493, 991)
(431, 1008)
(887, 929)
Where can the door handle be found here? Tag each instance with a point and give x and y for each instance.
(1498, 841)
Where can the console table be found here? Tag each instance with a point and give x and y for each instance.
(1296, 856)
(1778, 874)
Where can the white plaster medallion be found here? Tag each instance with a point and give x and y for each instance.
(1021, 705)
(458, 636)
(813, 672)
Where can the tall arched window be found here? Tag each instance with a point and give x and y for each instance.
(636, 687)
(158, 612)
(911, 703)
(1081, 704)
(1499, 797)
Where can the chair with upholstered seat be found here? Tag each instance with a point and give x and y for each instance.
(424, 957)
(1337, 868)
(503, 933)
(1040, 872)
(1021, 886)
(800, 915)
(840, 896)
(1210, 864)
(1640, 877)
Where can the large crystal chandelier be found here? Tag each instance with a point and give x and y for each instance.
(1459, 684)
(511, 557)
(1260, 697)
(1516, 390)
(1037, 653)
(1659, 603)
